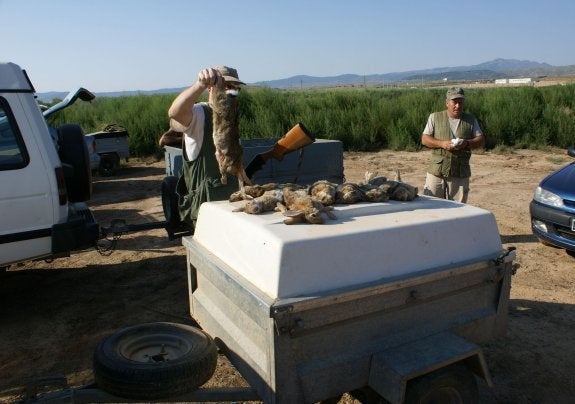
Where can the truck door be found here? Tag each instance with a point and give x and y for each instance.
(27, 182)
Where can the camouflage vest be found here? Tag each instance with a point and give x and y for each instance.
(451, 164)
(200, 179)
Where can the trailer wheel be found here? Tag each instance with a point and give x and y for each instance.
(154, 361)
(453, 384)
(73, 152)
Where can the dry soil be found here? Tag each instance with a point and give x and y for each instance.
(53, 314)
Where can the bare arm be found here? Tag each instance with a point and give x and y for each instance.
(477, 142)
(433, 143)
(180, 111)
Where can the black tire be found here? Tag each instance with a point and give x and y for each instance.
(73, 152)
(109, 165)
(154, 361)
(453, 384)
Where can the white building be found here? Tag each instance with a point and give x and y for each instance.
(527, 80)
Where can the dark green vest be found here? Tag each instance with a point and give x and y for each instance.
(451, 164)
(200, 179)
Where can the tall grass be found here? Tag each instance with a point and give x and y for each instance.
(363, 119)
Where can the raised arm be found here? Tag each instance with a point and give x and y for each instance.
(180, 112)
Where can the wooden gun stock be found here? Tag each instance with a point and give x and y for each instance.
(296, 138)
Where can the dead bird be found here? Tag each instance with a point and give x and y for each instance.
(324, 192)
(348, 193)
(226, 134)
(373, 193)
(372, 178)
(395, 189)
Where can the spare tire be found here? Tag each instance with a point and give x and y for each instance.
(154, 361)
(75, 159)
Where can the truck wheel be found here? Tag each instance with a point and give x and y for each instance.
(154, 361)
(453, 384)
(73, 152)
(109, 164)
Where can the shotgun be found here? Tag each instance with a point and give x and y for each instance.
(296, 138)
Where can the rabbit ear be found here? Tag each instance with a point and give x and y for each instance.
(293, 220)
(329, 213)
(293, 213)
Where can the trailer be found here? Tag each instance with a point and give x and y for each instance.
(389, 300)
(112, 146)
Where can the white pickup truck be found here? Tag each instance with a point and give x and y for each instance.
(43, 187)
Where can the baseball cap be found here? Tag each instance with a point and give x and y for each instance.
(454, 93)
(229, 74)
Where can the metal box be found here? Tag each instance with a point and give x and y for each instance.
(321, 160)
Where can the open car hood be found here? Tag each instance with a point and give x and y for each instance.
(72, 96)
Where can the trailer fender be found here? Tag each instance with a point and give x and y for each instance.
(442, 365)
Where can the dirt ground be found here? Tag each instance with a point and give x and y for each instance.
(53, 314)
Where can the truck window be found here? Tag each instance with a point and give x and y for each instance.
(13, 153)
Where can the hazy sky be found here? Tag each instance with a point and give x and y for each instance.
(113, 45)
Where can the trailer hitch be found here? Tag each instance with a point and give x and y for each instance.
(109, 236)
(119, 227)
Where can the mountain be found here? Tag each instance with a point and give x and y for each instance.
(498, 68)
(52, 95)
(495, 69)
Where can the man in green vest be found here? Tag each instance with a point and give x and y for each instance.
(201, 179)
(451, 134)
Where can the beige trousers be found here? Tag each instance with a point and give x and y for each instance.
(452, 188)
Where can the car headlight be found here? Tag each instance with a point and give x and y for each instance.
(548, 198)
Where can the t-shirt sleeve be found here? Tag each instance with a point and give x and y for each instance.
(476, 128)
(194, 133)
(429, 126)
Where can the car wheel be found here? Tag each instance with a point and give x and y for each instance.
(453, 384)
(154, 361)
(109, 164)
(73, 153)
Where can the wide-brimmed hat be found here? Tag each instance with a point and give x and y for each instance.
(229, 74)
(454, 93)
